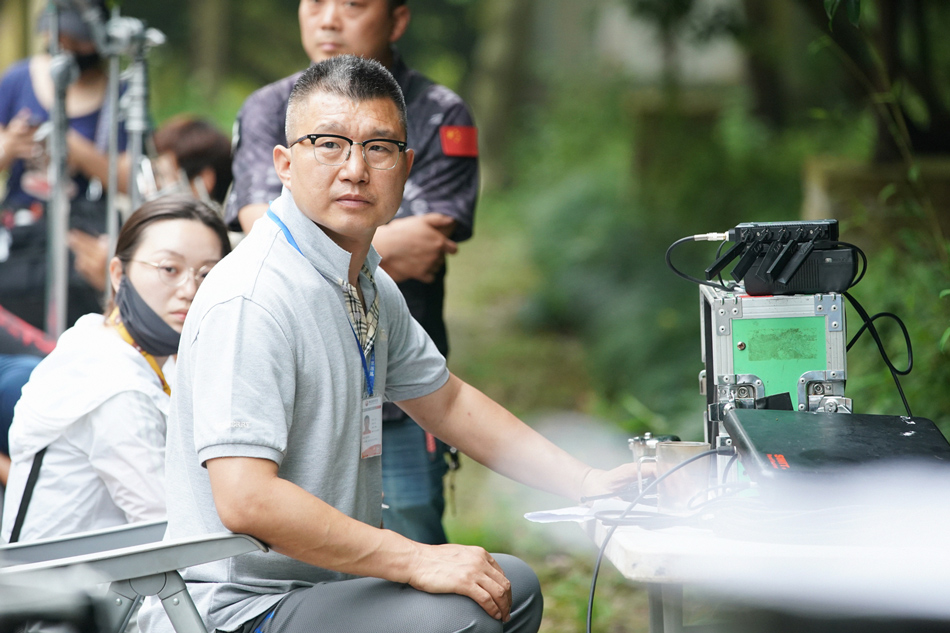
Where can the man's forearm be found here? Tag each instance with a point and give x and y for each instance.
(251, 499)
(469, 420)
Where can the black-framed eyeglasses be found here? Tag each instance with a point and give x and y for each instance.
(176, 274)
(379, 153)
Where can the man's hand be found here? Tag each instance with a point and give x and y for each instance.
(604, 482)
(465, 570)
(251, 499)
(91, 257)
(415, 247)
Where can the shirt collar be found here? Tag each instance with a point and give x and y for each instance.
(322, 252)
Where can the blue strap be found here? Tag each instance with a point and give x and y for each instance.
(285, 230)
(369, 370)
(260, 629)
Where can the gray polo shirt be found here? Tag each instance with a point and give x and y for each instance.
(269, 367)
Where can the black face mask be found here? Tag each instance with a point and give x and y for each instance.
(85, 62)
(146, 328)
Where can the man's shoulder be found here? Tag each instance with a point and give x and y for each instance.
(238, 274)
(421, 91)
(260, 270)
(391, 297)
(385, 285)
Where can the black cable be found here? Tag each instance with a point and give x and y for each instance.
(864, 261)
(652, 520)
(677, 272)
(869, 326)
(900, 324)
(718, 254)
(723, 450)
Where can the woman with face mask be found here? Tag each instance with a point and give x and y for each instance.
(89, 429)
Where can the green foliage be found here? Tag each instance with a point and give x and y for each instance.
(440, 40)
(174, 92)
(904, 280)
(946, 333)
(262, 39)
(617, 180)
(668, 14)
(854, 10)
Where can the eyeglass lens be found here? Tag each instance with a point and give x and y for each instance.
(378, 154)
(176, 273)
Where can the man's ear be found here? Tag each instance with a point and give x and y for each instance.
(410, 158)
(115, 273)
(400, 17)
(282, 164)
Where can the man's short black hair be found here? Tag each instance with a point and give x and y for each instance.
(354, 78)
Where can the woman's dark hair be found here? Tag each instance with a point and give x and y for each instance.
(171, 207)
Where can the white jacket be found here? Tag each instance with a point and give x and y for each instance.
(100, 408)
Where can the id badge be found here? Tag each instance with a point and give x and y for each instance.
(371, 417)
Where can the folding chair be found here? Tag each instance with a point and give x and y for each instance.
(133, 559)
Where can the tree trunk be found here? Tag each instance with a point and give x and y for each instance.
(498, 83)
(207, 29)
(767, 46)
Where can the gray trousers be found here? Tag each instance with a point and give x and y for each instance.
(371, 605)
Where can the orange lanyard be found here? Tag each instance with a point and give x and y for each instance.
(116, 322)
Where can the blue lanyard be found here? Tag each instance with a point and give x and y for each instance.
(369, 369)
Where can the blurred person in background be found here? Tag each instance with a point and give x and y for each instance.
(192, 156)
(436, 213)
(192, 152)
(26, 98)
(90, 426)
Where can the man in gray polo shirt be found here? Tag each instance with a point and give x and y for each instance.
(290, 347)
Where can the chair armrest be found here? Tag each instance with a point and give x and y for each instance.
(147, 559)
(82, 543)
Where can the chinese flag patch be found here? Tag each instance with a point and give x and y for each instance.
(459, 140)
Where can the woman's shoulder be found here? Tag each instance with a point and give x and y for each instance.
(16, 90)
(90, 364)
(17, 72)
